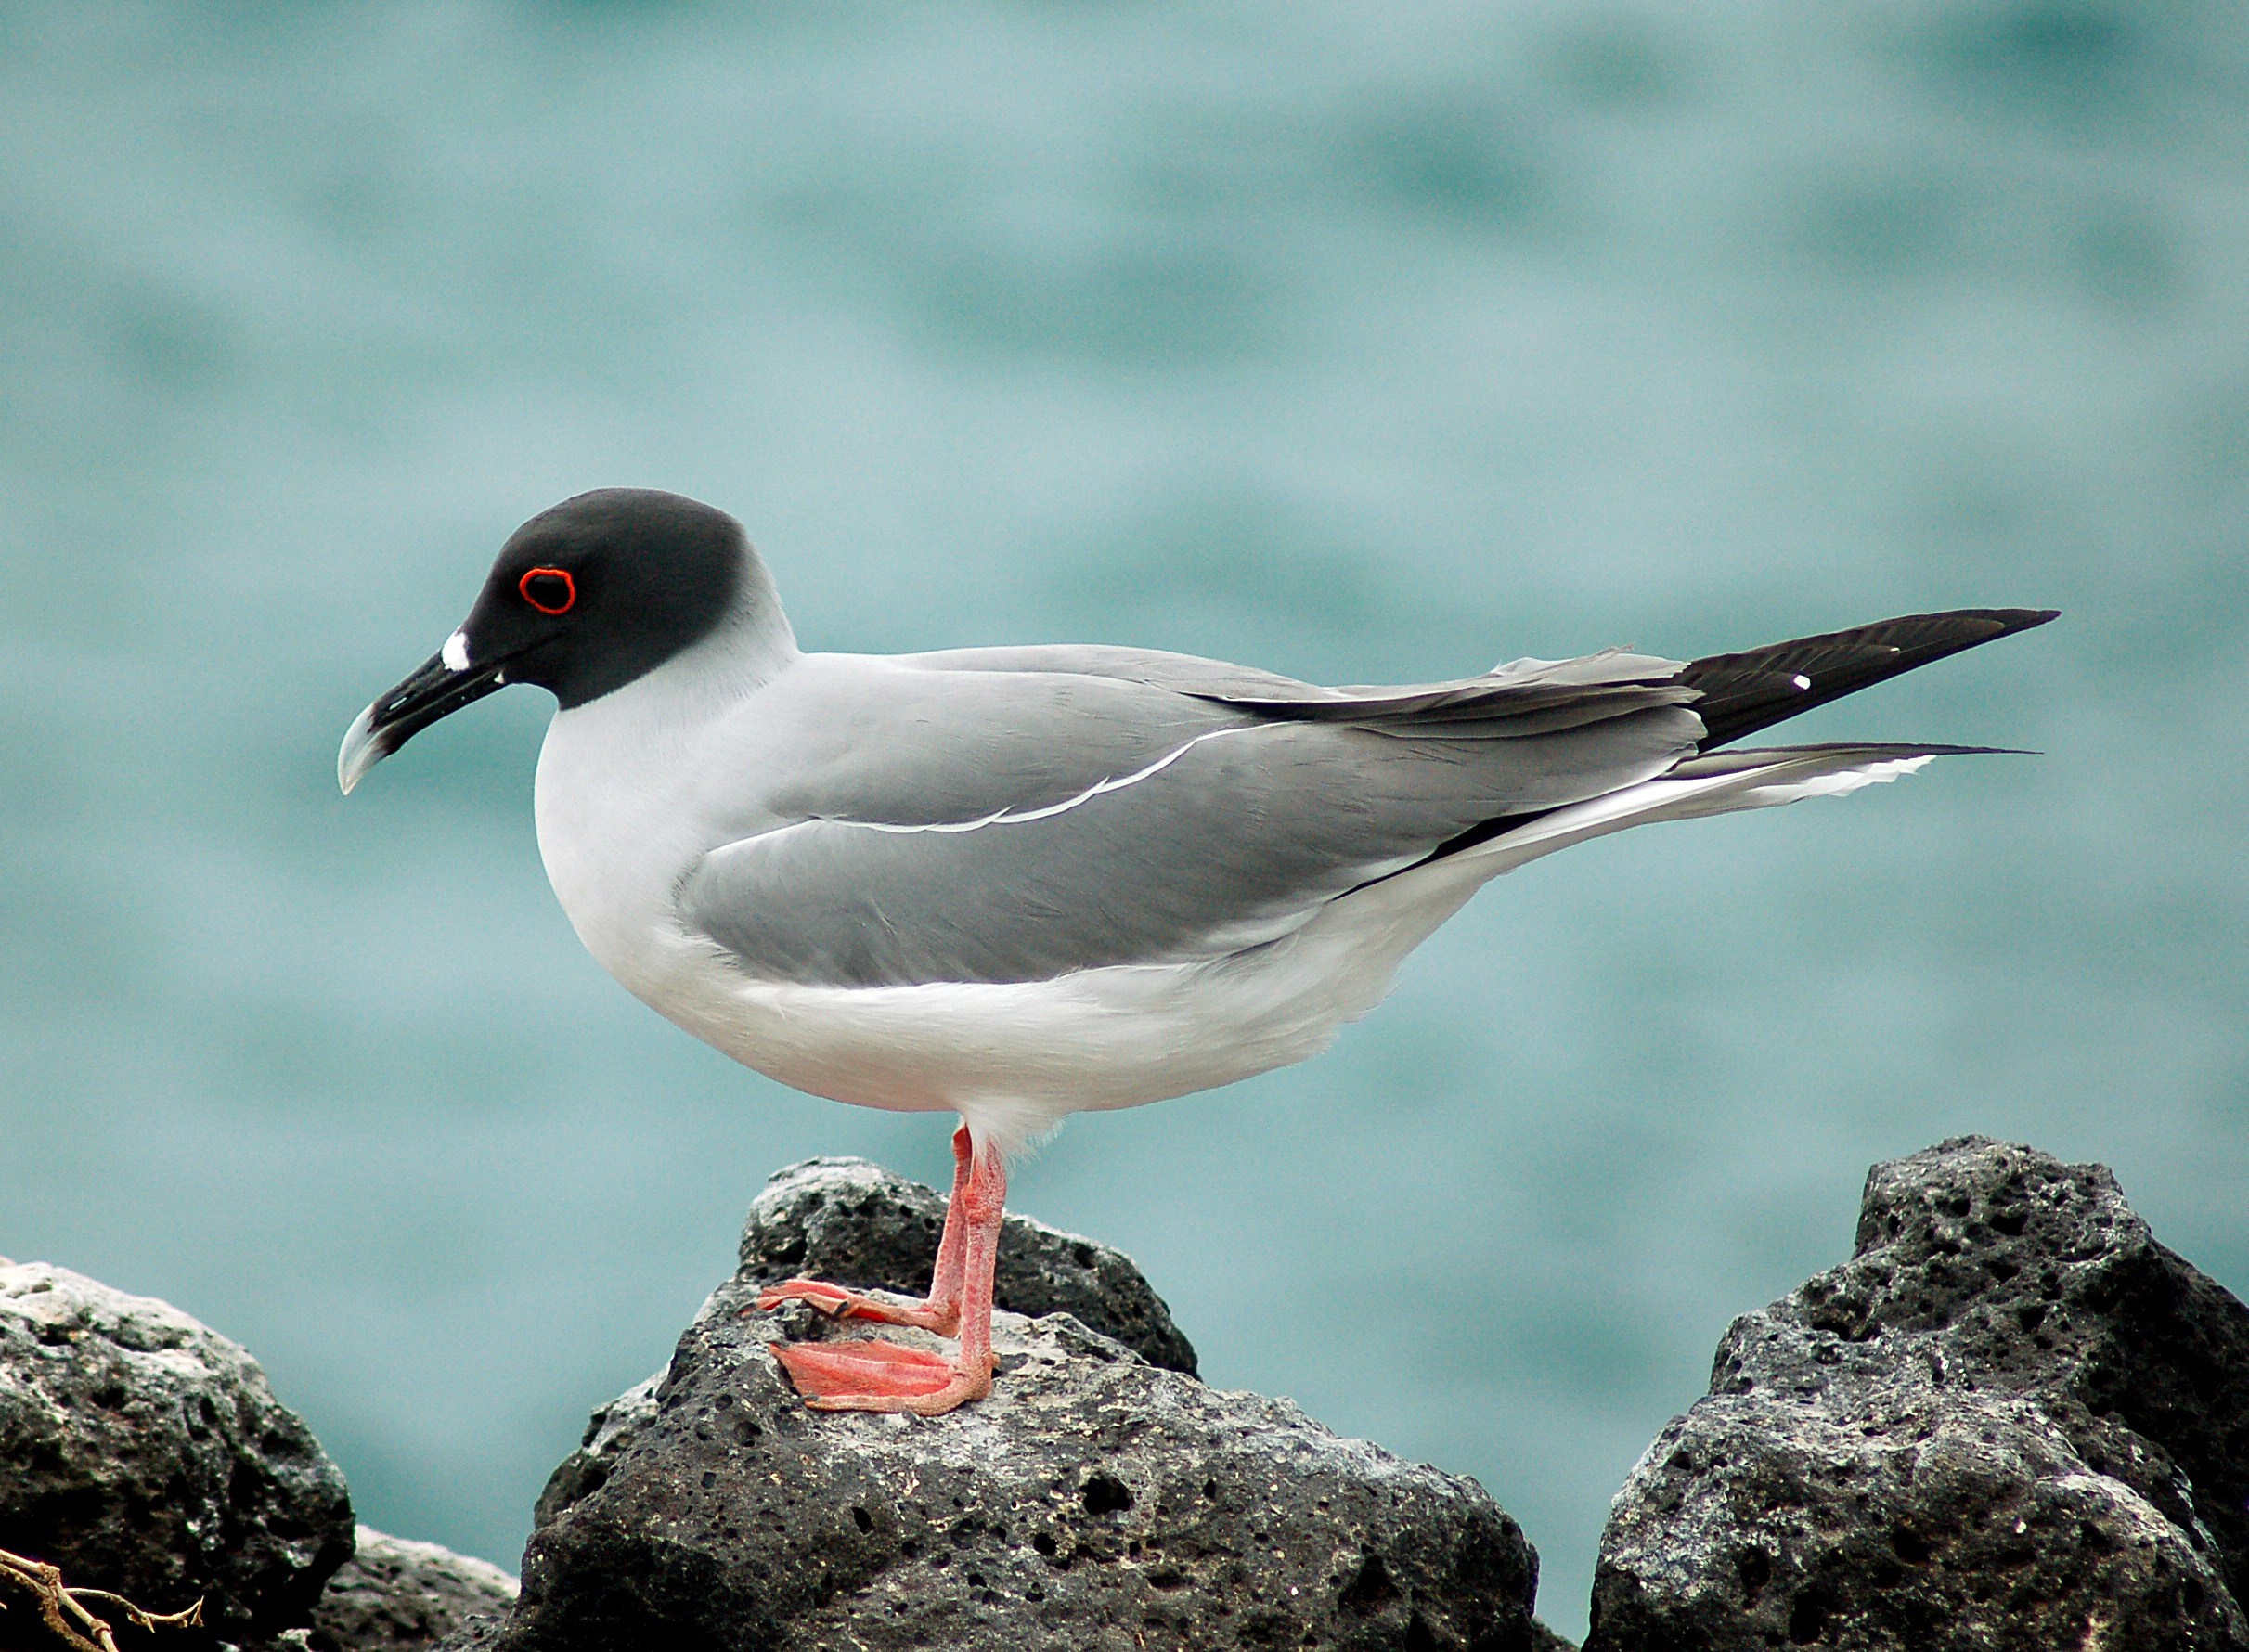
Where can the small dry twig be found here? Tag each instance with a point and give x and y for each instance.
(65, 1613)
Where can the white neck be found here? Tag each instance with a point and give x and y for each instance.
(615, 799)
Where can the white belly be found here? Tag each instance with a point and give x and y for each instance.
(1016, 1058)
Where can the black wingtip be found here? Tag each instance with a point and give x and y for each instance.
(2012, 620)
(1744, 693)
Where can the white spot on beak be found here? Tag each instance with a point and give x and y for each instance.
(455, 655)
(1801, 680)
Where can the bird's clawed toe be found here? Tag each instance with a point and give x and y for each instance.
(878, 1377)
(840, 1304)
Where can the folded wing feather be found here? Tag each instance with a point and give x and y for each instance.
(1010, 815)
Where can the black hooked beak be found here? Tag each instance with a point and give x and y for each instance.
(439, 688)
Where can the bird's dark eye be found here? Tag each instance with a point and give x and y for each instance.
(550, 590)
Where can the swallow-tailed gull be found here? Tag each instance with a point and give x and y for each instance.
(1015, 883)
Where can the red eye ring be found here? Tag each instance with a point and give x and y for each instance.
(570, 590)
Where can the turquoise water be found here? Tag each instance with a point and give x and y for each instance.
(1364, 343)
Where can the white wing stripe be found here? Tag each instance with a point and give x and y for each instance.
(1010, 816)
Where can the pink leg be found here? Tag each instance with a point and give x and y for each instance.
(884, 1377)
(945, 1285)
(940, 1312)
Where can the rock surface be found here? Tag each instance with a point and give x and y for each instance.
(146, 1454)
(610, 1432)
(854, 1222)
(2012, 1420)
(1094, 1501)
(395, 1595)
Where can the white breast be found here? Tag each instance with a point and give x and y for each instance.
(617, 827)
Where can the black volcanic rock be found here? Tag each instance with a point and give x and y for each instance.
(397, 1595)
(2012, 1420)
(612, 1431)
(1094, 1501)
(857, 1225)
(144, 1453)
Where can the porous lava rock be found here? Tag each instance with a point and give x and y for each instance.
(1093, 1500)
(851, 1221)
(2012, 1420)
(394, 1595)
(146, 1454)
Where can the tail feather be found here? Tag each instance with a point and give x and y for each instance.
(1717, 784)
(1743, 692)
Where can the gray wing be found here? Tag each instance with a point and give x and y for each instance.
(1513, 691)
(1038, 811)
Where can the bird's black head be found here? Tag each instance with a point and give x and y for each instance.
(584, 598)
(602, 588)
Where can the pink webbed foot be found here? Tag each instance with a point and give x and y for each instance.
(879, 1376)
(840, 1304)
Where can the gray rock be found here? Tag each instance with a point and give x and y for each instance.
(1093, 1500)
(146, 1454)
(857, 1225)
(396, 1595)
(2012, 1420)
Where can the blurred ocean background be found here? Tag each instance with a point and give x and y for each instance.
(1365, 343)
